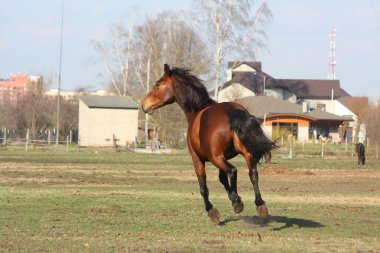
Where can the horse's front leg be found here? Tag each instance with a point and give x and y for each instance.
(200, 171)
(254, 176)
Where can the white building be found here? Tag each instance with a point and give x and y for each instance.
(246, 79)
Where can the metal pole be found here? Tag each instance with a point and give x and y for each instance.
(264, 91)
(26, 139)
(59, 77)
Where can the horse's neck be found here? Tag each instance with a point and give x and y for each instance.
(186, 104)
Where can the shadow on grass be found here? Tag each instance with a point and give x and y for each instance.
(273, 220)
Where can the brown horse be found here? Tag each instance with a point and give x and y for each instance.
(360, 151)
(216, 133)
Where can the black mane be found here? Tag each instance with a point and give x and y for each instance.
(195, 96)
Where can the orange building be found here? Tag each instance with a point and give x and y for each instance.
(282, 118)
(16, 87)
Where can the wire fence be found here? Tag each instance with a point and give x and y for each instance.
(43, 140)
(287, 149)
(324, 149)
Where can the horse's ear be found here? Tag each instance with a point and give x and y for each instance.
(167, 69)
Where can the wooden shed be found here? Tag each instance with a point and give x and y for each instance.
(104, 120)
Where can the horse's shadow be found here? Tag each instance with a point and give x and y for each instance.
(267, 222)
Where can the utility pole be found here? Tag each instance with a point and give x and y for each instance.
(59, 78)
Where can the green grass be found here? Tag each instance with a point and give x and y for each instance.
(127, 202)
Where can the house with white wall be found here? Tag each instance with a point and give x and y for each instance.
(245, 79)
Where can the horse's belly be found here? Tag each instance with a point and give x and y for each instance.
(210, 134)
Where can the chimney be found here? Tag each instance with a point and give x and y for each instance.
(305, 107)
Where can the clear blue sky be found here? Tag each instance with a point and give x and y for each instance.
(298, 39)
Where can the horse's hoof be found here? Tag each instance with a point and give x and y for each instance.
(214, 215)
(238, 207)
(262, 211)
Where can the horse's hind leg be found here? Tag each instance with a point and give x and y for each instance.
(227, 170)
(254, 176)
(223, 178)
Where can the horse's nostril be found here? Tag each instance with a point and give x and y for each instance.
(148, 110)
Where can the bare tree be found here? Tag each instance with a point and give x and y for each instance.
(167, 39)
(134, 57)
(116, 58)
(371, 118)
(33, 111)
(233, 28)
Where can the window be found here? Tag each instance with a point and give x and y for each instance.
(286, 130)
(321, 107)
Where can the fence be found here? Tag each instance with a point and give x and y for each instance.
(324, 149)
(43, 140)
(286, 150)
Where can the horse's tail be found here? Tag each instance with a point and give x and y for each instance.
(249, 131)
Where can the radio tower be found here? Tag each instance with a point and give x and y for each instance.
(332, 62)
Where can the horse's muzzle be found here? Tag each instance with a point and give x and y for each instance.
(148, 110)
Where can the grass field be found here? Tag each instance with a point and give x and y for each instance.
(127, 202)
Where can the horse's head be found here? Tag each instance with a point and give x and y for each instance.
(161, 94)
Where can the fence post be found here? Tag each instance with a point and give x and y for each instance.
(5, 136)
(303, 146)
(26, 139)
(49, 136)
(290, 152)
(322, 149)
(67, 143)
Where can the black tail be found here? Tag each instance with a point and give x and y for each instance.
(249, 131)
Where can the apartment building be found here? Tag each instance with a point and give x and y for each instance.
(16, 87)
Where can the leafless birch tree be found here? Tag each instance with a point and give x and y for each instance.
(233, 29)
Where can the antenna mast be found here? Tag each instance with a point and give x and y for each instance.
(332, 62)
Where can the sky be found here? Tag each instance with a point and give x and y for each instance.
(298, 39)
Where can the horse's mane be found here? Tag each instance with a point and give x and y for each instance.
(196, 96)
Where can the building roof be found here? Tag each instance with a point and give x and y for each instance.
(344, 93)
(302, 88)
(355, 104)
(308, 88)
(250, 80)
(111, 102)
(322, 115)
(261, 105)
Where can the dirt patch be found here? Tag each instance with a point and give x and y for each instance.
(285, 171)
(45, 181)
(370, 201)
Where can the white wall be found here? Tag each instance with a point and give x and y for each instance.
(330, 104)
(342, 110)
(234, 91)
(96, 126)
(282, 94)
(244, 68)
(303, 133)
